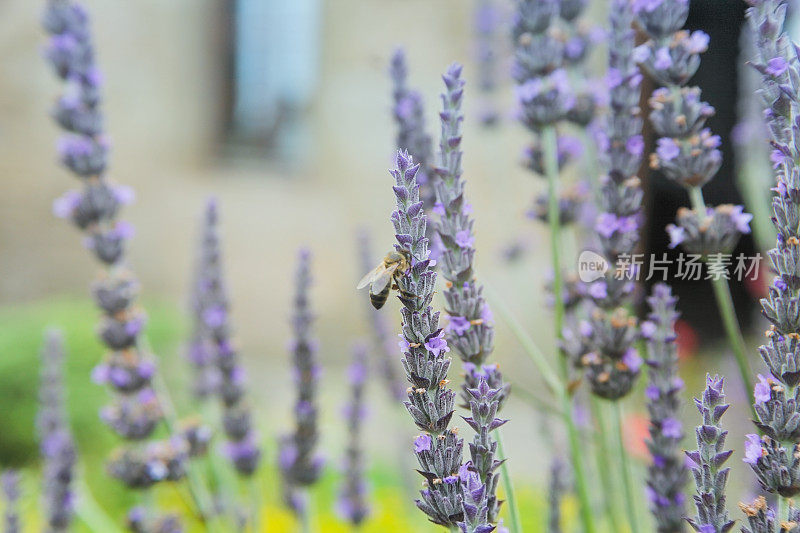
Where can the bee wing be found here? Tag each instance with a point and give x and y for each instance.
(383, 279)
(370, 276)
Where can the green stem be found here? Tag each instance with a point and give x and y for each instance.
(722, 293)
(604, 461)
(783, 509)
(550, 152)
(255, 502)
(627, 472)
(89, 511)
(304, 516)
(533, 351)
(508, 486)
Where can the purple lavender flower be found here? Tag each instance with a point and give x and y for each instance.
(299, 462)
(611, 364)
(200, 350)
(470, 335)
(352, 497)
(707, 461)
(487, 18)
(430, 401)
(762, 519)
(9, 483)
(409, 114)
(127, 370)
(558, 485)
(55, 438)
(667, 473)
(716, 231)
(212, 310)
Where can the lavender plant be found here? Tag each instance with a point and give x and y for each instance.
(409, 114)
(430, 401)
(687, 152)
(213, 308)
(384, 342)
(470, 332)
(353, 494)
(127, 369)
(55, 438)
(298, 460)
(487, 19)
(613, 363)
(555, 492)
(667, 473)
(706, 463)
(773, 455)
(762, 519)
(9, 482)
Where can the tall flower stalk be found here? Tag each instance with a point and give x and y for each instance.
(430, 402)
(408, 110)
(352, 504)
(486, 20)
(707, 462)
(299, 462)
(774, 453)
(667, 473)
(55, 438)
(9, 483)
(688, 153)
(127, 369)
(213, 308)
(470, 330)
(544, 98)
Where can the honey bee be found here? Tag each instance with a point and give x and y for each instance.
(383, 277)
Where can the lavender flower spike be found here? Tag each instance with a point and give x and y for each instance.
(409, 114)
(352, 498)
(298, 460)
(55, 438)
(9, 482)
(773, 455)
(612, 365)
(486, 21)
(762, 519)
(430, 402)
(555, 492)
(241, 446)
(707, 462)
(667, 473)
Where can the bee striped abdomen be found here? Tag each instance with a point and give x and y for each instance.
(379, 299)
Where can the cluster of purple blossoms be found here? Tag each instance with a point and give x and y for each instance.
(578, 41)
(667, 473)
(127, 369)
(487, 19)
(686, 151)
(138, 522)
(352, 504)
(543, 92)
(409, 113)
(9, 484)
(384, 341)
(470, 330)
(200, 351)
(763, 520)
(707, 462)
(430, 402)
(774, 454)
(298, 460)
(55, 438)
(228, 378)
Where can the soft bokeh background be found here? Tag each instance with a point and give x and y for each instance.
(311, 178)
